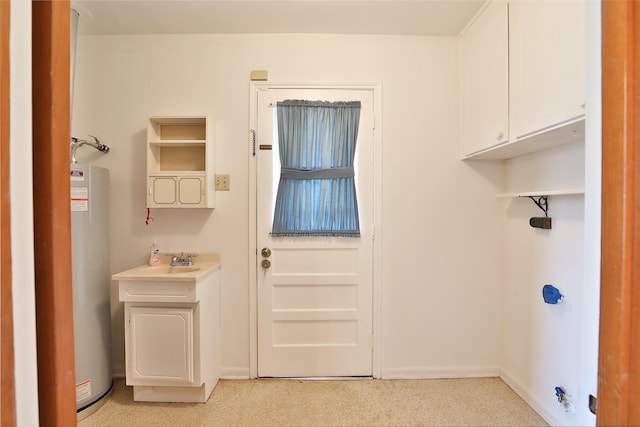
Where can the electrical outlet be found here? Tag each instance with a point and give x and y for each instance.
(223, 182)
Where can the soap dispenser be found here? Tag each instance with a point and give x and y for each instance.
(154, 254)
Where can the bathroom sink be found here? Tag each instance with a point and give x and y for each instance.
(207, 263)
(169, 269)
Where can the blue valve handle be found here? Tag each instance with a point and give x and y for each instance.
(551, 294)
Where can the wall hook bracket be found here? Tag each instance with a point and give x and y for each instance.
(541, 222)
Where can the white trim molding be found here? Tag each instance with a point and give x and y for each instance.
(529, 398)
(439, 372)
(235, 373)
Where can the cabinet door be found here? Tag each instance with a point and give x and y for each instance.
(190, 191)
(162, 191)
(547, 64)
(159, 346)
(484, 89)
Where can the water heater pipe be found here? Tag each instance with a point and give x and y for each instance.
(77, 143)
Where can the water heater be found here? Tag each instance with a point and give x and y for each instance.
(91, 286)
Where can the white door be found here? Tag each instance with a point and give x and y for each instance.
(315, 295)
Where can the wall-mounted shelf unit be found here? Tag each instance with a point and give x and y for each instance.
(540, 198)
(522, 78)
(180, 162)
(567, 192)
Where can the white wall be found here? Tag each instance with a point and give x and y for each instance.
(547, 346)
(542, 341)
(22, 258)
(441, 292)
(592, 217)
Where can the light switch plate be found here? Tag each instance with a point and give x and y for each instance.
(223, 182)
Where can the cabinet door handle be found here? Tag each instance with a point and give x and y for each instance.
(150, 186)
(500, 135)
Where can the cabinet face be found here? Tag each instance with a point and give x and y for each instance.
(159, 346)
(547, 64)
(484, 76)
(162, 191)
(190, 190)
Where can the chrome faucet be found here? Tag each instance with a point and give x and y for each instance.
(182, 259)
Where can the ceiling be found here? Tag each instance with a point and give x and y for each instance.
(400, 17)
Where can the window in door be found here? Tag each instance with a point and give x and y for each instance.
(316, 192)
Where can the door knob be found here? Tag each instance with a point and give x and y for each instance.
(266, 252)
(266, 263)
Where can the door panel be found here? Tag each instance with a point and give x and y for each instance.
(160, 346)
(190, 190)
(314, 293)
(163, 191)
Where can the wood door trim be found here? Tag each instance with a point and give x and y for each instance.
(52, 216)
(7, 364)
(619, 364)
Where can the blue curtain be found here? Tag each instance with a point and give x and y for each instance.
(317, 192)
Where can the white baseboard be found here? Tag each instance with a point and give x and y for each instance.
(237, 373)
(119, 371)
(528, 397)
(242, 373)
(434, 372)
(225, 373)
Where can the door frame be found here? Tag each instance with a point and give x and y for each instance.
(7, 362)
(605, 376)
(51, 215)
(618, 364)
(254, 89)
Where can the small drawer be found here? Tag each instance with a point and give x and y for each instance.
(157, 291)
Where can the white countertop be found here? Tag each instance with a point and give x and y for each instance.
(203, 264)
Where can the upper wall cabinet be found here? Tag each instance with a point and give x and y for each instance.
(545, 59)
(547, 64)
(484, 80)
(180, 162)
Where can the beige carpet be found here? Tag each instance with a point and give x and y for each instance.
(449, 402)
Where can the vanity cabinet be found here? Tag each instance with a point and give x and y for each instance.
(180, 162)
(171, 333)
(541, 68)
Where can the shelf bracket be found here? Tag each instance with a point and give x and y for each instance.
(542, 202)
